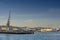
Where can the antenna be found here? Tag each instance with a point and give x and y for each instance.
(8, 22)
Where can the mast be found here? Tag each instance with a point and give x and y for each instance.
(8, 22)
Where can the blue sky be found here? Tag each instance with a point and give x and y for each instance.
(31, 12)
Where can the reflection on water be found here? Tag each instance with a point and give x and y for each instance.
(36, 36)
(16, 36)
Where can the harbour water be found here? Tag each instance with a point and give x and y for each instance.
(35, 36)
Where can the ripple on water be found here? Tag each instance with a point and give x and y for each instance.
(35, 36)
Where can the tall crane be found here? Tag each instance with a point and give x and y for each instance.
(8, 22)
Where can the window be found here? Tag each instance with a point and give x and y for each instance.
(15, 29)
(4, 28)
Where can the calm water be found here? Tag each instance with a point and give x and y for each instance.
(36, 36)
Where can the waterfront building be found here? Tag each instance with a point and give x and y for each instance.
(45, 30)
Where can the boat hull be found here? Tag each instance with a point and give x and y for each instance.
(4, 32)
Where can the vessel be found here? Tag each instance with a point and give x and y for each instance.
(13, 30)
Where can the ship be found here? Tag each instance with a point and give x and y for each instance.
(13, 30)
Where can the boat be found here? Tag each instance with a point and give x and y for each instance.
(13, 30)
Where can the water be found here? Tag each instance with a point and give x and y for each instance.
(35, 36)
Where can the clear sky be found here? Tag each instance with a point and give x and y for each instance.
(31, 13)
